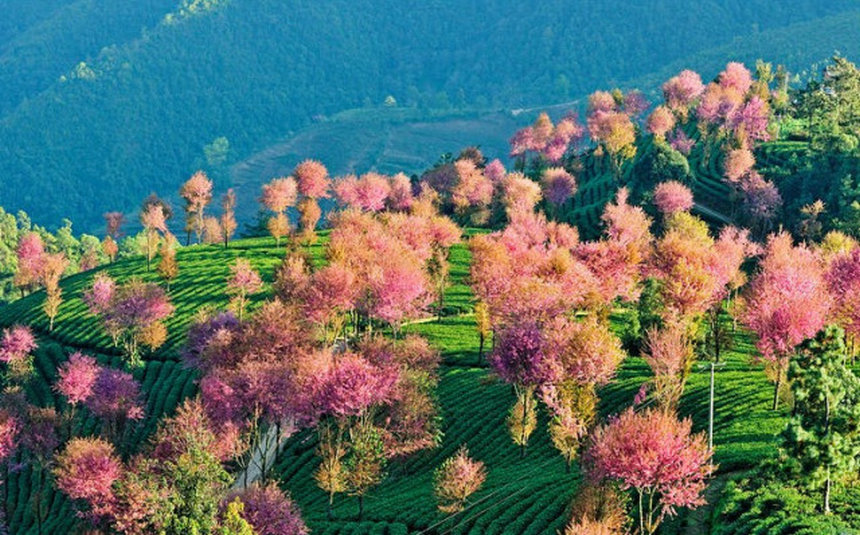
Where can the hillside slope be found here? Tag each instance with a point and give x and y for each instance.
(528, 495)
(137, 117)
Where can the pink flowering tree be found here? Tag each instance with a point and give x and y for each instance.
(520, 195)
(671, 197)
(548, 141)
(153, 217)
(559, 186)
(197, 193)
(16, 348)
(271, 511)
(473, 192)
(612, 129)
(660, 122)
(75, 381)
(242, 283)
(369, 192)
(843, 281)
(457, 478)
(682, 91)
(132, 313)
(30, 254)
(278, 195)
(762, 200)
(350, 445)
(737, 164)
(786, 303)
(680, 141)
(87, 469)
(313, 184)
(656, 455)
(114, 399)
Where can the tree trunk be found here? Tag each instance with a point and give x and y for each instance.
(827, 494)
(480, 348)
(776, 386)
(360, 507)
(523, 432)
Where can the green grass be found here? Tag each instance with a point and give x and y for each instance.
(528, 495)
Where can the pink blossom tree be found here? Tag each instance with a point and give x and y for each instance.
(243, 282)
(457, 478)
(681, 91)
(738, 163)
(671, 197)
(368, 192)
(655, 454)
(313, 184)
(115, 400)
(31, 256)
(87, 469)
(278, 195)
(271, 511)
(400, 197)
(558, 185)
(680, 141)
(786, 302)
(16, 347)
(197, 193)
(76, 378)
(154, 220)
(660, 122)
(132, 313)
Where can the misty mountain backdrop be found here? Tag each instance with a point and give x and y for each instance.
(103, 102)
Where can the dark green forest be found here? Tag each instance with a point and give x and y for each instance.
(103, 102)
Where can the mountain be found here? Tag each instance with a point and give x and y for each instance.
(103, 103)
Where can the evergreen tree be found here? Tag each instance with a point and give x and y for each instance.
(822, 439)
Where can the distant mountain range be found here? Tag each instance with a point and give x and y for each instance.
(103, 102)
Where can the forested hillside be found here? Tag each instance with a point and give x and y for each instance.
(99, 96)
(646, 322)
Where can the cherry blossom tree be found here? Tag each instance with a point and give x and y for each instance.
(132, 313)
(457, 478)
(87, 469)
(313, 184)
(76, 378)
(154, 221)
(738, 163)
(278, 195)
(672, 196)
(16, 347)
(558, 185)
(270, 511)
(197, 193)
(228, 216)
(660, 122)
(681, 91)
(115, 400)
(243, 282)
(213, 234)
(168, 268)
(113, 223)
(31, 256)
(473, 192)
(655, 454)
(680, 141)
(786, 302)
(368, 192)
(53, 267)
(400, 197)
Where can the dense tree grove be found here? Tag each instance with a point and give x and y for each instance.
(319, 345)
